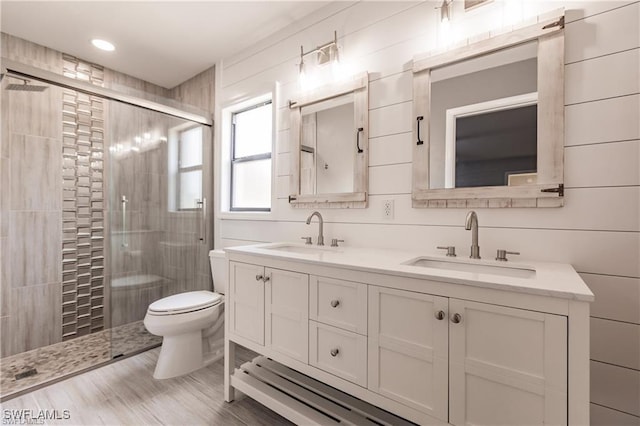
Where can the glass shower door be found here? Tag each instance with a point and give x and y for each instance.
(158, 238)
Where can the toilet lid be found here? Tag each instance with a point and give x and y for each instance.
(185, 302)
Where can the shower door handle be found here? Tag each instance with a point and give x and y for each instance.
(125, 238)
(202, 204)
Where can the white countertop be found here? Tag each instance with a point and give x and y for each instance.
(551, 279)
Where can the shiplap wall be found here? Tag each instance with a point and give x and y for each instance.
(598, 229)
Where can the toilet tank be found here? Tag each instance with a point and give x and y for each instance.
(219, 270)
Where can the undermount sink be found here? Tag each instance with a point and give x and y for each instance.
(474, 267)
(302, 249)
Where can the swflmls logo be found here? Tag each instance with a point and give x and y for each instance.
(33, 417)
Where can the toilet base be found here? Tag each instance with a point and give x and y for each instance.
(174, 360)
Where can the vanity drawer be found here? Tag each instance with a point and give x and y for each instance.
(339, 352)
(339, 303)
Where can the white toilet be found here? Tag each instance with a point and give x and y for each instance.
(184, 320)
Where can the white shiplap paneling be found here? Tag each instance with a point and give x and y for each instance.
(617, 298)
(581, 9)
(615, 342)
(393, 149)
(609, 120)
(603, 416)
(610, 164)
(390, 120)
(615, 387)
(603, 77)
(390, 90)
(393, 179)
(611, 32)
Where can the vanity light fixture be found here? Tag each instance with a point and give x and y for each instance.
(325, 53)
(445, 12)
(103, 45)
(301, 69)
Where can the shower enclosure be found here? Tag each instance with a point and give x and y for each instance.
(106, 213)
(158, 215)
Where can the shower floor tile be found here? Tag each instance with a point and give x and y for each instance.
(131, 337)
(59, 360)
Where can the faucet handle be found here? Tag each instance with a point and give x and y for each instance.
(307, 240)
(501, 255)
(335, 241)
(451, 250)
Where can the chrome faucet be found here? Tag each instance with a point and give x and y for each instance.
(471, 224)
(320, 223)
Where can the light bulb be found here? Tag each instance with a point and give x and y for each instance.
(103, 45)
(445, 13)
(304, 79)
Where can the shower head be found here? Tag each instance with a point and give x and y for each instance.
(26, 86)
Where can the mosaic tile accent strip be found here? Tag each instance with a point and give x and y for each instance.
(83, 215)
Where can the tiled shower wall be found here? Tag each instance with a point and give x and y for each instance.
(32, 207)
(199, 91)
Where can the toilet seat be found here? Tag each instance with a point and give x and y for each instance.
(184, 302)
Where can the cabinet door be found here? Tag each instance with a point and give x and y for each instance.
(287, 313)
(408, 349)
(246, 294)
(507, 366)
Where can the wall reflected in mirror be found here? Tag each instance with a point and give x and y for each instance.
(483, 113)
(328, 146)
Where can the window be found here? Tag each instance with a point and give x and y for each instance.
(251, 142)
(189, 173)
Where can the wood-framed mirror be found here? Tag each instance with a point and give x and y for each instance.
(329, 145)
(489, 122)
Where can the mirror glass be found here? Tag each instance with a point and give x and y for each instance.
(483, 113)
(328, 146)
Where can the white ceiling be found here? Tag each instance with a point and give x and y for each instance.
(163, 42)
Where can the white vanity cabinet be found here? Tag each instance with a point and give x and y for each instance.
(270, 307)
(246, 301)
(408, 349)
(338, 328)
(506, 366)
(286, 311)
(427, 350)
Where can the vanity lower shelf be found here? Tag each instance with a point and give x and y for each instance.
(303, 400)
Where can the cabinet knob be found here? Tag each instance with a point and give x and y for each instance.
(266, 278)
(334, 352)
(259, 277)
(456, 318)
(440, 315)
(335, 303)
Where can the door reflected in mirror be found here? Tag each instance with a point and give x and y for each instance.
(484, 119)
(328, 146)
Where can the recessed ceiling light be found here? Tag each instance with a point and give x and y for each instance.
(103, 45)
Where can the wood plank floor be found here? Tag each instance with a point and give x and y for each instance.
(125, 393)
